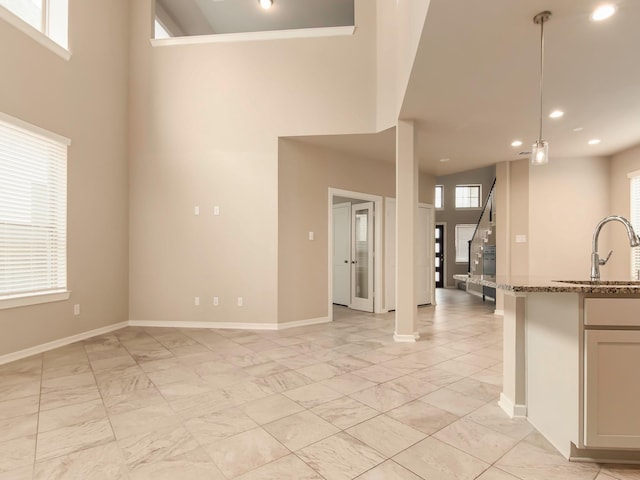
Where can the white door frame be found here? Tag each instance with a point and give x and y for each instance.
(390, 253)
(431, 240)
(377, 247)
(444, 250)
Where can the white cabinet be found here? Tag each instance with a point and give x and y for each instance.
(612, 388)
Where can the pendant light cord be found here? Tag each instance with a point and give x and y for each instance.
(541, 72)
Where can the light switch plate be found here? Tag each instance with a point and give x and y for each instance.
(521, 239)
(216, 210)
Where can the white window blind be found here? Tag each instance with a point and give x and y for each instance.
(464, 233)
(33, 210)
(635, 221)
(439, 196)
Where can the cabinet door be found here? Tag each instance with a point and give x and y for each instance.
(612, 389)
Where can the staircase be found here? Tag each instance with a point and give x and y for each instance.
(482, 246)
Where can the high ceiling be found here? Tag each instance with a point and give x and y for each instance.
(474, 84)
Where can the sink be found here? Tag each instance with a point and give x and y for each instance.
(600, 282)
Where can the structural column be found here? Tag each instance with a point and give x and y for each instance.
(406, 245)
(513, 396)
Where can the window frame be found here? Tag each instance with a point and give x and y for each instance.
(21, 299)
(42, 34)
(472, 228)
(468, 185)
(435, 198)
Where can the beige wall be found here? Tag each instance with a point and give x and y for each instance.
(205, 123)
(305, 175)
(567, 198)
(518, 218)
(410, 18)
(83, 99)
(622, 164)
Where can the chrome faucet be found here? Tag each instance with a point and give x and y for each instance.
(596, 261)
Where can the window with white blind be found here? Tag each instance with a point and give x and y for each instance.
(33, 214)
(46, 21)
(635, 221)
(439, 197)
(464, 233)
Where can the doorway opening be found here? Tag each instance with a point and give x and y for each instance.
(355, 240)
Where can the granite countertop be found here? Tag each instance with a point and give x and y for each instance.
(529, 284)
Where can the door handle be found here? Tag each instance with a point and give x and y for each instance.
(346, 261)
(354, 261)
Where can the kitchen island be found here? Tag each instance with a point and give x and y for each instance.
(571, 364)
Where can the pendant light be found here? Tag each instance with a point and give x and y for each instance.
(540, 149)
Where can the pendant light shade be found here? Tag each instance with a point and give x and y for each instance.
(540, 149)
(540, 152)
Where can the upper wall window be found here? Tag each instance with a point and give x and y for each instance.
(160, 31)
(439, 197)
(33, 214)
(468, 196)
(48, 17)
(245, 19)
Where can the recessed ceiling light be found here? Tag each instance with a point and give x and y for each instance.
(266, 4)
(444, 160)
(578, 129)
(594, 141)
(603, 12)
(516, 143)
(556, 114)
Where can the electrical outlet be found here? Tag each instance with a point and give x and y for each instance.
(196, 210)
(216, 210)
(76, 309)
(216, 301)
(311, 236)
(196, 301)
(240, 301)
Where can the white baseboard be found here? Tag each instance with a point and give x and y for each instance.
(302, 323)
(512, 409)
(499, 313)
(228, 325)
(218, 325)
(406, 338)
(27, 352)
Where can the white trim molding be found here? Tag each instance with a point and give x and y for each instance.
(228, 325)
(255, 36)
(406, 338)
(27, 352)
(26, 300)
(34, 33)
(303, 323)
(512, 409)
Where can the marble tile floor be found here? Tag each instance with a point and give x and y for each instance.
(335, 401)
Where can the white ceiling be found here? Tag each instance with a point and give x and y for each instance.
(204, 17)
(474, 84)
